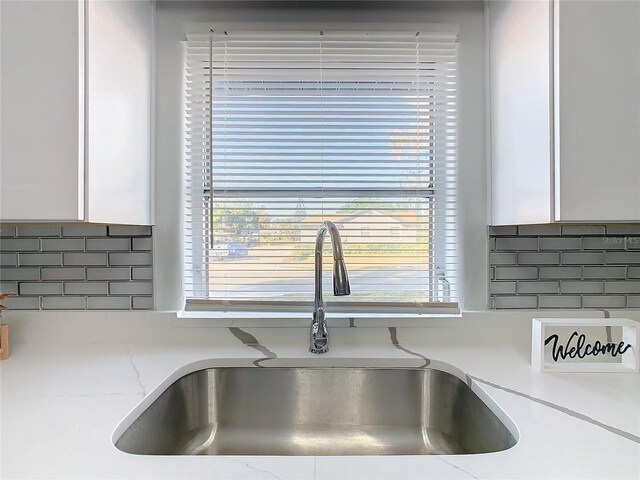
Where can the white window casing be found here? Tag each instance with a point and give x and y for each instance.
(285, 129)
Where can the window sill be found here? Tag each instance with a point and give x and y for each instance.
(303, 319)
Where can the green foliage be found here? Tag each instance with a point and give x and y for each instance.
(378, 203)
(251, 226)
(359, 204)
(237, 224)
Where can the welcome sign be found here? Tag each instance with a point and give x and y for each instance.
(585, 345)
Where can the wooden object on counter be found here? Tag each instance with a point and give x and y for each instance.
(4, 329)
(4, 342)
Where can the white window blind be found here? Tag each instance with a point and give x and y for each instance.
(287, 129)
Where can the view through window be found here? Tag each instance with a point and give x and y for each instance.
(287, 129)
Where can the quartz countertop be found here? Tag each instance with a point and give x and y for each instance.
(73, 377)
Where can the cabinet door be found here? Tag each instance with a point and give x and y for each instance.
(119, 44)
(597, 110)
(42, 92)
(520, 68)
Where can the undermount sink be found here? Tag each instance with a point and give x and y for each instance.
(316, 411)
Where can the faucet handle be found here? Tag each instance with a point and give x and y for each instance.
(319, 332)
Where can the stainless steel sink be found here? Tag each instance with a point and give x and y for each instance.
(316, 411)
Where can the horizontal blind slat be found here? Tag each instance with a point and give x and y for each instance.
(287, 129)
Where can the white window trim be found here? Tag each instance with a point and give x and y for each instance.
(474, 142)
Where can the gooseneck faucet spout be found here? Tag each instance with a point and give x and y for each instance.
(319, 332)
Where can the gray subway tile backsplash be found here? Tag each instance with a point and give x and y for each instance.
(62, 244)
(63, 303)
(77, 267)
(625, 258)
(109, 273)
(142, 303)
(84, 231)
(129, 231)
(583, 230)
(8, 259)
(538, 287)
(560, 272)
(142, 243)
(502, 287)
(515, 243)
(39, 288)
(581, 286)
(503, 230)
(7, 231)
(626, 286)
(538, 230)
(86, 288)
(623, 229)
(603, 243)
(633, 301)
(633, 243)
(142, 273)
(99, 259)
(582, 258)
(38, 231)
(604, 301)
(559, 301)
(63, 273)
(130, 288)
(538, 258)
(108, 244)
(516, 273)
(23, 303)
(564, 266)
(9, 287)
(502, 258)
(133, 258)
(604, 272)
(20, 245)
(20, 273)
(560, 243)
(41, 259)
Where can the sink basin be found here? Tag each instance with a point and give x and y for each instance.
(316, 411)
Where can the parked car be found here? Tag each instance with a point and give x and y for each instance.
(237, 250)
(222, 251)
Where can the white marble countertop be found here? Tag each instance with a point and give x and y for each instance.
(73, 377)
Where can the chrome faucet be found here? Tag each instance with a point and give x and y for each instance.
(319, 333)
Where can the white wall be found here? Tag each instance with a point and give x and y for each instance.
(472, 187)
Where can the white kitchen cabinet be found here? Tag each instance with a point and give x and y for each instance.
(76, 111)
(565, 111)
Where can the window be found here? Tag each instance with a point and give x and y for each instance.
(287, 129)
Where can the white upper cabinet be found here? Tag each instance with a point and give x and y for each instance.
(565, 111)
(520, 92)
(76, 111)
